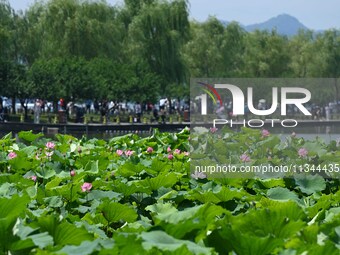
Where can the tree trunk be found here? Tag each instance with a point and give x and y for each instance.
(26, 112)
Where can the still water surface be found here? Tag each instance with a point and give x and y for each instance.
(326, 133)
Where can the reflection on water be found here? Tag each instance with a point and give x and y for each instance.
(326, 133)
(107, 135)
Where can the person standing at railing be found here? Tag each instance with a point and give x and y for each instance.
(138, 111)
(328, 112)
(37, 111)
(1, 113)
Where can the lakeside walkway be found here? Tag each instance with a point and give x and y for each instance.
(65, 128)
(121, 128)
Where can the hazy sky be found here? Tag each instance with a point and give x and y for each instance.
(315, 14)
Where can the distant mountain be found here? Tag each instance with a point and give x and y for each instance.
(284, 24)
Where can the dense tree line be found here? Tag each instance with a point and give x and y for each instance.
(143, 50)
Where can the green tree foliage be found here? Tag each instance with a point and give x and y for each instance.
(266, 55)
(157, 33)
(76, 78)
(203, 51)
(80, 49)
(77, 28)
(61, 77)
(6, 22)
(327, 52)
(302, 54)
(215, 50)
(112, 80)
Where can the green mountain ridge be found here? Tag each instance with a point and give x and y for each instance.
(285, 24)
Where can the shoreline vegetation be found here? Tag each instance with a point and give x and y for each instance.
(88, 50)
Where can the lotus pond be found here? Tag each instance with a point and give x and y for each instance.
(133, 195)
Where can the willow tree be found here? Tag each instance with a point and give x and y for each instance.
(214, 50)
(266, 55)
(116, 81)
(157, 34)
(233, 50)
(301, 48)
(67, 78)
(5, 24)
(203, 52)
(12, 70)
(77, 28)
(327, 58)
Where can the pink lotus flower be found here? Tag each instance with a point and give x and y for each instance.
(245, 158)
(293, 134)
(12, 155)
(170, 156)
(213, 130)
(72, 173)
(265, 132)
(149, 150)
(186, 153)
(119, 152)
(302, 152)
(198, 175)
(128, 153)
(86, 187)
(177, 151)
(34, 178)
(168, 149)
(50, 145)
